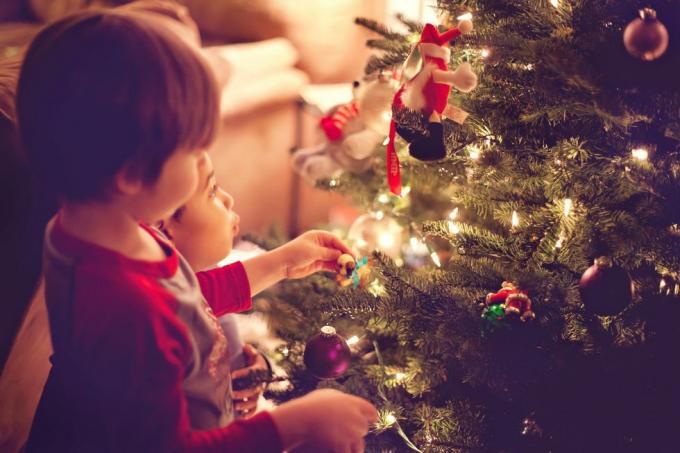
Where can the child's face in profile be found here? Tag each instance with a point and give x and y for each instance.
(203, 229)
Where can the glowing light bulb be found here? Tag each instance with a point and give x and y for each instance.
(453, 227)
(453, 215)
(376, 288)
(418, 247)
(662, 285)
(640, 154)
(400, 376)
(484, 53)
(555, 3)
(465, 16)
(390, 419)
(379, 215)
(405, 190)
(568, 204)
(333, 182)
(352, 340)
(385, 240)
(560, 241)
(435, 259)
(515, 219)
(383, 198)
(474, 152)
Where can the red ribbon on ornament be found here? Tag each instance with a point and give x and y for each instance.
(393, 172)
(392, 160)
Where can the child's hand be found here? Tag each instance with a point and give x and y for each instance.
(326, 420)
(245, 401)
(311, 252)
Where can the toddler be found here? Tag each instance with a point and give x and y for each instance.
(114, 114)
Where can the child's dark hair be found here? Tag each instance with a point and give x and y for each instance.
(102, 91)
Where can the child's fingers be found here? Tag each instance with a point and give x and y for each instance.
(330, 266)
(250, 353)
(367, 409)
(332, 241)
(241, 372)
(328, 254)
(248, 394)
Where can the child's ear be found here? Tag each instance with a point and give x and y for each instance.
(127, 181)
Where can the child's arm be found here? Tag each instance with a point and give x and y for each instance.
(139, 363)
(308, 253)
(325, 419)
(228, 289)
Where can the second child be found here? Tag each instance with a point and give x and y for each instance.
(114, 113)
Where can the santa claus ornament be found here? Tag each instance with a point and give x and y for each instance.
(421, 100)
(508, 301)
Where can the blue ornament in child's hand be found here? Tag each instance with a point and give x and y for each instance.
(327, 354)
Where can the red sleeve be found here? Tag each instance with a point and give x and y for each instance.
(135, 349)
(226, 288)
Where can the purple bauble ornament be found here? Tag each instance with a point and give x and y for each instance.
(646, 38)
(605, 288)
(327, 354)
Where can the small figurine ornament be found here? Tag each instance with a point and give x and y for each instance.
(512, 300)
(351, 272)
(351, 132)
(346, 265)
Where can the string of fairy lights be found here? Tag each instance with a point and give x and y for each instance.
(387, 237)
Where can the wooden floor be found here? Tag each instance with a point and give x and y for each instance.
(24, 376)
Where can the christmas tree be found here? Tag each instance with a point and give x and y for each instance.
(525, 292)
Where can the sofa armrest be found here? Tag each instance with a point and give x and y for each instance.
(257, 74)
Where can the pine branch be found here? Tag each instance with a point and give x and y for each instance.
(379, 28)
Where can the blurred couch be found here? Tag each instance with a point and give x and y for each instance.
(273, 48)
